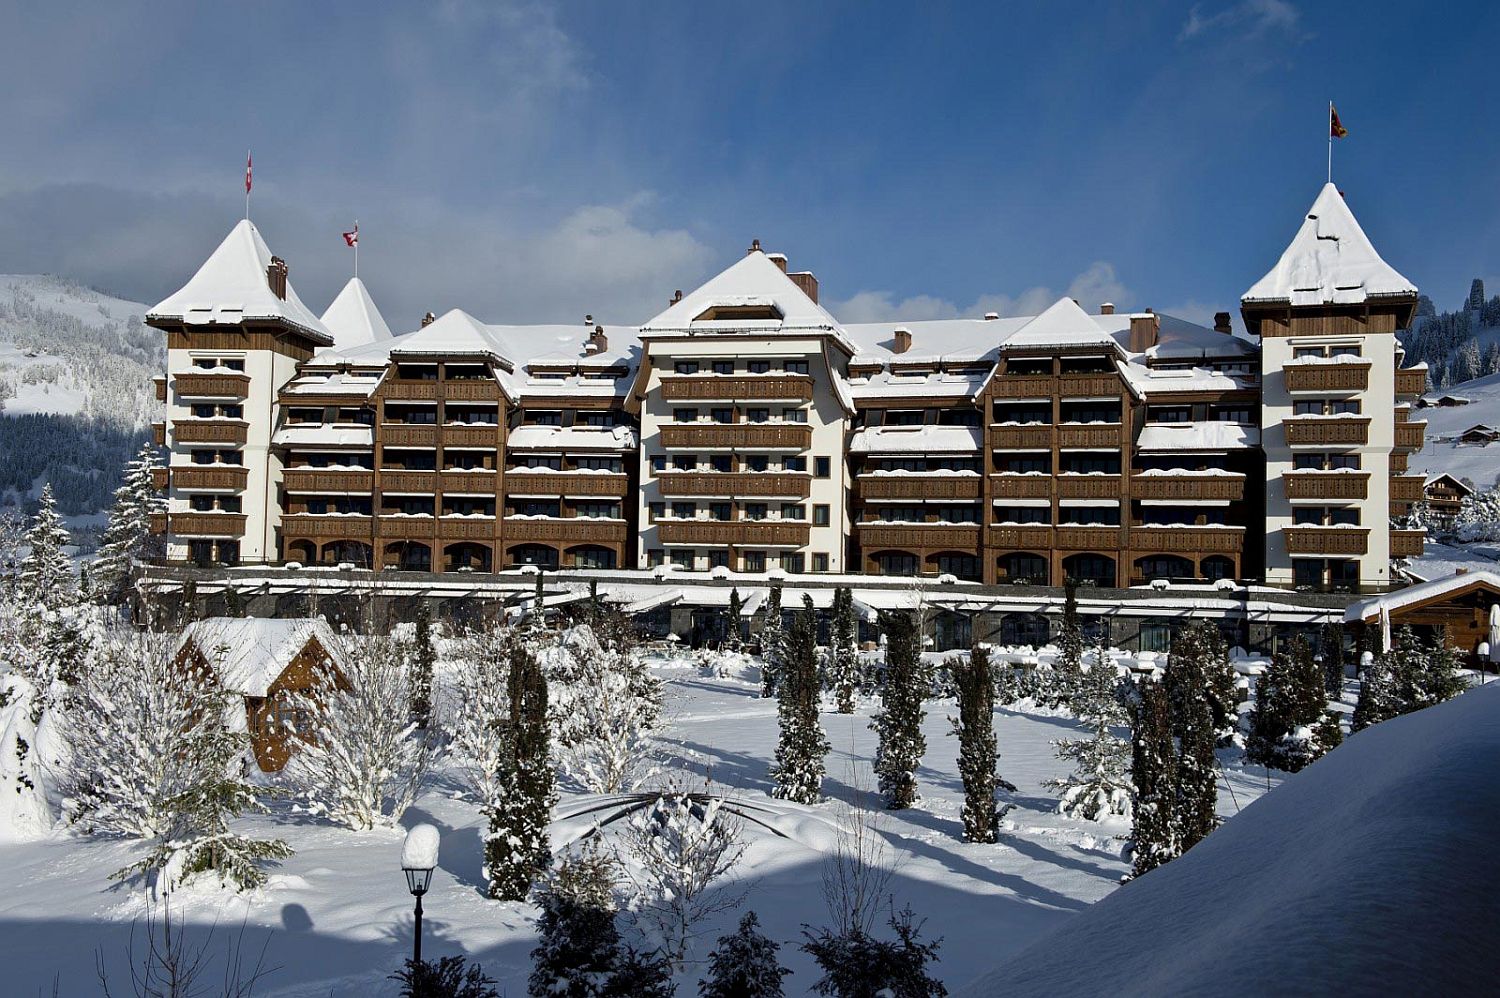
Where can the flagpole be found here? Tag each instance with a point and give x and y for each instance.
(1330, 141)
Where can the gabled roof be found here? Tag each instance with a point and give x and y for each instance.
(754, 280)
(1064, 324)
(1330, 261)
(1446, 476)
(232, 286)
(1423, 593)
(353, 318)
(250, 653)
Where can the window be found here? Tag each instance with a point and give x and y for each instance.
(820, 561)
(1169, 414)
(897, 563)
(723, 367)
(536, 507)
(754, 561)
(794, 464)
(793, 511)
(1091, 464)
(1344, 517)
(718, 558)
(1343, 572)
(963, 566)
(684, 510)
(1028, 365)
(1024, 413)
(599, 464)
(794, 366)
(1156, 637)
(208, 411)
(684, 557)
(1340, 407)
(820, 516)
(1307, 572)
(597, 510)
(1023, 464)
(1234, 414)
(658, 463)
(721, 510)
(466, 372)
(1090, 412)
(755, 511)
(598, 419)
(234, 364)
(794, 562)
(958, 514)
(1299, 353)
(722, 415)
(758, 366)
(686, 367)
(1307, 407)
(1304, 516)
(545, 417)
(720, 462)
(684, 462)
(757, 415)
(656, 510)
(794, 415)
(757, 462)
(230, 504)
(684, 415)
(1107, 516)
(654, 557)
(1023, 514)
(202, 504)
(1344, 461)
(904, 417)
(822, 467)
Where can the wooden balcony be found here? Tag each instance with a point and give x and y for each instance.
(1407, 488)
(1061, 386)
(1411, 383)
(160, 479)
(1088, 486)
(1035, 437)
(213, 386)
(313, 481)
(1345, 376)
(1409, 436)
(1197, 540)
(741, 533)
(210, 431)
(1021, 486)
(1407, 543)
(790, 485)
(1304, 431)
(1036, 537)
(721, 388)
(1327, 485)
(333, 528)
(1188, 485)
(567, 530)
(738, 436)
(407, 435)
(918, 536)
(469, 482)
(924, 486)
(160, 385)
(1089, 538)
(1088, 436)
(541, 483)
(466, 528)
(1023, 386)
(1398, 461)
(408, 528)
(396, 390)
(471, 435)
(159, 434)
(475, 390)
(158, 523)
(1087, 385)
(209, 478)
(420, 482)
(1327, 540)
(208, 524)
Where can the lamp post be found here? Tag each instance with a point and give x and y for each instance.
(419, 855)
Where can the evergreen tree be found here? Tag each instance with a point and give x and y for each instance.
(857, 965)
(843, 657)
(1187, 685)
(975, 728)
(1154, 773)
(802, 745)
(127, 541)
(516, 849)
(1425, 675)
(1067, 670)
(771, 638)
(578, 947)
(44, 580)
(1377, 693)
(744, 965)
(899, 722)
(1100, 782)
(732, 617)
(449, 977)
(1331, 657)
(1290, 700)
(424, 661)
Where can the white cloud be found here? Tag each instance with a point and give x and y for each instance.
(1249, 19)
(1097, 284)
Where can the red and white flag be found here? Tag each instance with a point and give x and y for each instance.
(352, 238)
(247, 173)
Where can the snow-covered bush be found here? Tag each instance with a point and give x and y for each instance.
(857, 963)
(744, 965)
(801, 745)
(1478, 517)
(899, 721)
(604, 704)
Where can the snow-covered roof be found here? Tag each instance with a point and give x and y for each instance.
(1448, 585)
(332, 383)
(232, 285)
(894, 387)
(324, 436)
(557, 438)
(250, 653)
(945, 341)
(916, 440)
(1063, 325)
(1147, 381)
(1197, 437)
(353, 318)
(1329, 261)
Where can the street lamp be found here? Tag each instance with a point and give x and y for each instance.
(419, 856)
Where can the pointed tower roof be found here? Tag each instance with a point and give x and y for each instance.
(1330, 262)
(353, 318)
(233, 286)
(1063, 324)
(753, 283)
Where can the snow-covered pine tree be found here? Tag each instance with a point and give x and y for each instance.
(1425, 674)
(424, 661)
(1478, 517)
(975, 728)
(44, 579)
(578, 947)
(802, 744)
(127, 540)
(733, 615)
(516, 848)
(602, 716)
(771, 639)
(857, 965)
(899, 721)
(1067, 669)
(1187, 686)
(1331, 658)
(1153, 766)
(744, 965)
(843, 657)
(1100, 782)
(1289, 702)
(1378, 700)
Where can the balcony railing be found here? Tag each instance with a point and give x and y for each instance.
(408, 527)
(1398, 461)
(1327, 540)
(1187, 485)
(476, 390)
(160, 479)
(470, 482)
(1202, 540)
(1348, 376)
(541, 483)
(957, 537)
(158, 523)
(321, 527)
(159, 434)
(407, 435)
(1023, 386)
(1088, 436)
(1339, 430)
(395, 389)
(208, 524)
(568, 530)
(421, 482)
(458, 528)
(1089, 538)
(1088, 486)
(1063, 386)
(160, 385)
(209, 431)
(742, 533)
(1407, 543)
(1027, 538)
(745, 436)
(1407, 488)
(1409, 435)
(1037, 437)
(213, 479)
(924, 486)
(316, 480)
(1411, 383)
(1087, 385)
(218, 386)
(1021, 486)
(1327, 485)
(471, 435)
(713, 388)
(731, 484)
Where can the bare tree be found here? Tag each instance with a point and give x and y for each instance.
(164, 964)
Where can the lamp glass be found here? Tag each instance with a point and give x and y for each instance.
(417, 880)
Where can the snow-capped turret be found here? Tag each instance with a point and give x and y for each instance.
(241, 281)
(353, 318)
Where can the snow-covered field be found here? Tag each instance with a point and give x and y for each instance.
(336, 917)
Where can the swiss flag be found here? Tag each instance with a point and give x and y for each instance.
(247, 173)
(352, 238)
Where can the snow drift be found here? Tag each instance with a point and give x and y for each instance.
(1370, 871)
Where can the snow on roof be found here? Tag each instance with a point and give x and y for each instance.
(1329, 261)
(1153, 380)
(1063, 324)
(1205, 436)
(915, 440)
(1179, 339)
(1353, 876)
(1440, 476)
(251, 652)
(1367, 609)
(553, 438)
(353, 318)
(232, 286)
(332, 383)
(324, 436)
(935, 341)
(885, 385)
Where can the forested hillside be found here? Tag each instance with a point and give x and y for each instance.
(1457, 346)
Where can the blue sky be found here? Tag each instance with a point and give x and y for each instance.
(536, 162)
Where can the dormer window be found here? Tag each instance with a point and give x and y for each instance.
(749, 313)
(686, 367)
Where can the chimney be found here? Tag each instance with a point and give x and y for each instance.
(754, 247)
(1222, 323)
(428, 320)
(779, 259)
(597, 342)
(1108, 308)
(1143, 330)
(676, 297)
(903, 341)
(1460, 571)
(991, 316)
(805, 281)
(588, 320)
(276, 277)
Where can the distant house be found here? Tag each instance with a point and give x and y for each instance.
(1442, 401)
(1444, 494)
(1479, 434)
(267, 662)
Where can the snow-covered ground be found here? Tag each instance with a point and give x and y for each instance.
(339, 918)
